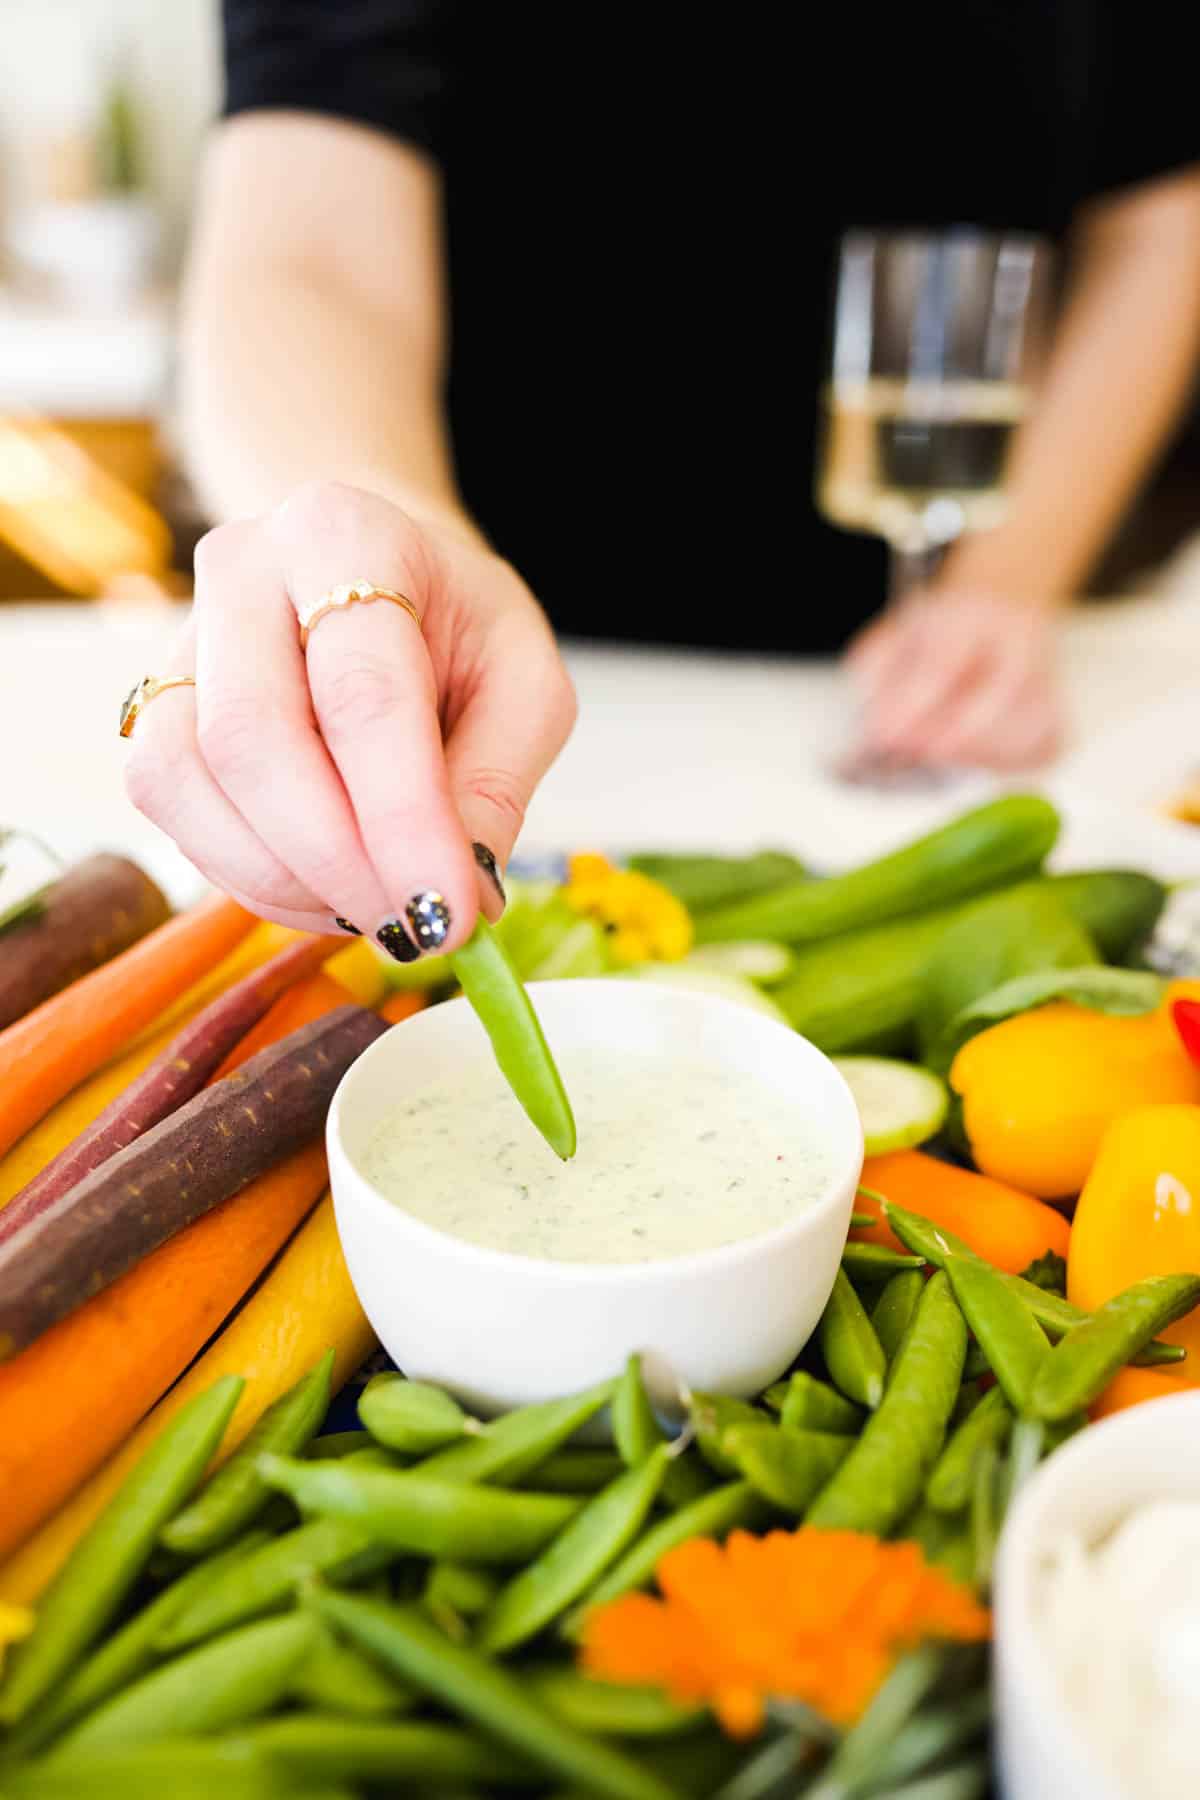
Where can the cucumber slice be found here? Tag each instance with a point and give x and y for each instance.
(757, 959)
(899, 1104)
(708, 981)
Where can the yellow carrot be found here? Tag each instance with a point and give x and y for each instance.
(305, 1306)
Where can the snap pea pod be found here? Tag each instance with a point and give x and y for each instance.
(486, 1694)
(455, 1592)
(267, 1577)
(414, 1513)
(126, 1655)
(336, 1678)
(410, 1416)
(1086, 1360)
(1010, 1337)
(786, 1466)
(807, 1404)
(932, 1735)
(875, 1262)
(713, 1515)
(576, 1470)
(853, 1354)
(850, 1770)
(1030, 1442)
(172, 1769)
(966, 1779)
(882, 1477)
(985, 1514)
(711, 1416)
(636, 1434)
(948, 1489)
(931, 1530)
(485, 972)
(893, 1312)
(376, 1753)
(508, 1448)
(232, 1679)
(586, 1547)
(977, 1363)
(1055, 1315)
(337, 1443)
(233, 1497)
(607, 1708)
(107, 1560)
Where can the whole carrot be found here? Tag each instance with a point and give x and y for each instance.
(44, 1054)
(1007, 1228)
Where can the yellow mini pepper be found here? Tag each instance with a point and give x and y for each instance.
(645, 922)
(1039, 1090)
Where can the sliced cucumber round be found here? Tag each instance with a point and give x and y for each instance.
(757, 959)
(708, 981)
(899, 1104)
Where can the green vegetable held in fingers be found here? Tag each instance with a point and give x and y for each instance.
(487, 977)
(410, 1416)
(484, 1693)
(233, 1497)
(806, 1404)
(607, 1526)
(1009, 1335)
(949, 1486)
(787, 1467)
(1078, 1371)
(106, 1562)
(379, 1754)
(892, 1313)
(509, 1448)
(853, 1354)
(883, 1475)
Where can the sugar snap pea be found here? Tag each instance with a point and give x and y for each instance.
(606, 1708)
(985, 1513)
(233, 1678)
(336, 1678)
(712, 1415)
(948, 1489)
(456, 1592)
(931, 1735)
(586, 1547)
(337, 1443)
(851, 1767)
(966, 1779)
(875, 1262)
(508, 1448)
(786, 1466)
(853, 1354)
(486, 1694)
(811, 1405)
(171, 1769)
(1009, 1335)
(575, 1470)
(231, 1499)
(882, 1477)
(374, 1753)
(1078, 1371)
(931, 1530)
(713, 1515)
(892, 1313)
(425, 1517)
(412, 1417)
(634, 1427)
(1029, 1444)
(487, 976)
(105, 1563)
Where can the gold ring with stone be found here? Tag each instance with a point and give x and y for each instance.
(148, 688)
(351, 593)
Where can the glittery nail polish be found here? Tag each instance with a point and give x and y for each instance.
(487, 862)
(396, 941)
(428, 919)
(345, 925)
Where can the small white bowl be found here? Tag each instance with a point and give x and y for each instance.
(501, 1330)
(1150, 1452)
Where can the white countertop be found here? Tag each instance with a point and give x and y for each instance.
(672, 749)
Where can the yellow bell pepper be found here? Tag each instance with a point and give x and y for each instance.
(1139, 1215)
(645, 921)
(1039, 1090)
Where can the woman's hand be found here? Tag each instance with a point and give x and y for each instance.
(364, 781)
(955, 677)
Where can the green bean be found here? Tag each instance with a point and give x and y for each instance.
(787, 1467)
(861, 1221)
(336, 1678)
(688, 1478)
(487, 1695)
(586, 1547)
(485, 972)
(1013, 1341)
(893, 1312)
(948, 1489)
(853, 1354)
(508, 1448)
(1055, 1315)
(376, 1753)
(426, 1517)
(712, 1415)
(882, 1477)
(102, 1568)
(931, 1735)
(812, 1405)
(985, 1514)
(607, 1708)
(233, 1497)
(266, 1579)
(576, 1470)
(126, 1655)
(966, 1779)
(337, 1443)
(634, 1427)
(1086, 1360)
(233, 1678)
(410, 1416)
(852, 1766)
(181, 1769)
(712, 1515)
(875, 1262)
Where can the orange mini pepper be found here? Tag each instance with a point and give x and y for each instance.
(1039, 1090)
(1008, 1229)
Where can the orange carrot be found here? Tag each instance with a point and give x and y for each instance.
(309, 1000)
(60, 1043)
(400, 1005)
(1006, 1227)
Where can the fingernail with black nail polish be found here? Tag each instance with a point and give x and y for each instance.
(428, 919)
(396, 941)
(487, 863)
(345, 925)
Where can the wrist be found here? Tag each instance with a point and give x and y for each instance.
(1014, 568)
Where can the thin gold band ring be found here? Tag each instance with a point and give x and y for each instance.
(148, 688)
(351, 593)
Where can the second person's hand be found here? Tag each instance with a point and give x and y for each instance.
(378, 779)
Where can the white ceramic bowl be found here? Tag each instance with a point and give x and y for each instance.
(500, 1330)
(1150, 1452)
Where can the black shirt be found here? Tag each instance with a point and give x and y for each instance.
(643, 204)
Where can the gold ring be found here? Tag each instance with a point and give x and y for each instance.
(148, 688)
(349, 594)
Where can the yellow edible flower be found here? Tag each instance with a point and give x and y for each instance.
(644, 920)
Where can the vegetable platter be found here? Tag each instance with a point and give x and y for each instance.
(216, 1576)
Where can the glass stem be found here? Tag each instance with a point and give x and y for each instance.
(909, 567)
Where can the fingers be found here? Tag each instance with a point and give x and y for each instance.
(932, 671)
